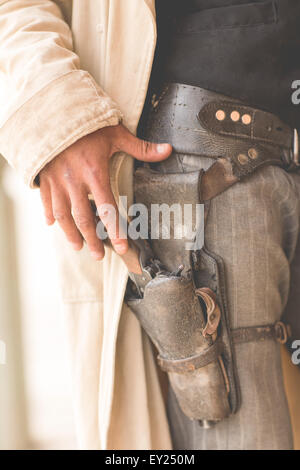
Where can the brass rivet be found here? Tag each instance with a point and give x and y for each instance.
(235, 116)
(220, 115)
(253, 154)
(246, 119)
(242, 158)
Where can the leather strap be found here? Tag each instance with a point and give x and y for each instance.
(277, 331)
(192, 363)
(241, 121)
(240, 138)
(216, 179)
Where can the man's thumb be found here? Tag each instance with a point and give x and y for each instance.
(145, 151)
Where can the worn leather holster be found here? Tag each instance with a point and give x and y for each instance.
(180, 297)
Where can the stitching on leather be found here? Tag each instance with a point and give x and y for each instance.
(210, 106)
(252, 124)
(160, 98)
(175, 104)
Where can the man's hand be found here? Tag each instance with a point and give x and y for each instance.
(83, 169)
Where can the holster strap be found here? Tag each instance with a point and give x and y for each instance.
(278, 332)
(192, 363)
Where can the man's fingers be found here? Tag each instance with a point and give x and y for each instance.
(108, 214)
(85, 222)
(62, 213)
(45, 193)
(141, 149)
(84, 167)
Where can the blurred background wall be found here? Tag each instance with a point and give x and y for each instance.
(35, 399)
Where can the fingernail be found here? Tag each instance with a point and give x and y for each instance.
(161, 148)
(121, 249)
(76, 246)
(96, 255)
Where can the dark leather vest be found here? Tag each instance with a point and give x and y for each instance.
(246, 50)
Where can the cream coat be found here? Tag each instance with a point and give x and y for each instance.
(51, 94)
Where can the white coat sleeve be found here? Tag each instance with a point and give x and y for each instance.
(46, 101)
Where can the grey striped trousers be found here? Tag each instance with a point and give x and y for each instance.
(254, 226)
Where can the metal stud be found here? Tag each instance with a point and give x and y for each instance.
(246, 119)
(242, 158)
(220, 115)
(253, 154)
(235, 116)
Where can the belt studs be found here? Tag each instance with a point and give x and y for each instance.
(246, 119)
(253, 154)
(220, 115)
(235, 116)
(242, 158)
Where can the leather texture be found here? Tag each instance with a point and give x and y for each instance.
(187, 116)
(201, 367)
(152, 187)
(278, 331)
(172, 316)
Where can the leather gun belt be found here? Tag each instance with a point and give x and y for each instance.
(179, 295)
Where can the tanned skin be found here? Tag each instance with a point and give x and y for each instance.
(83, 169)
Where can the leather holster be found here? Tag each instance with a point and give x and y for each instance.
(180, 300)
